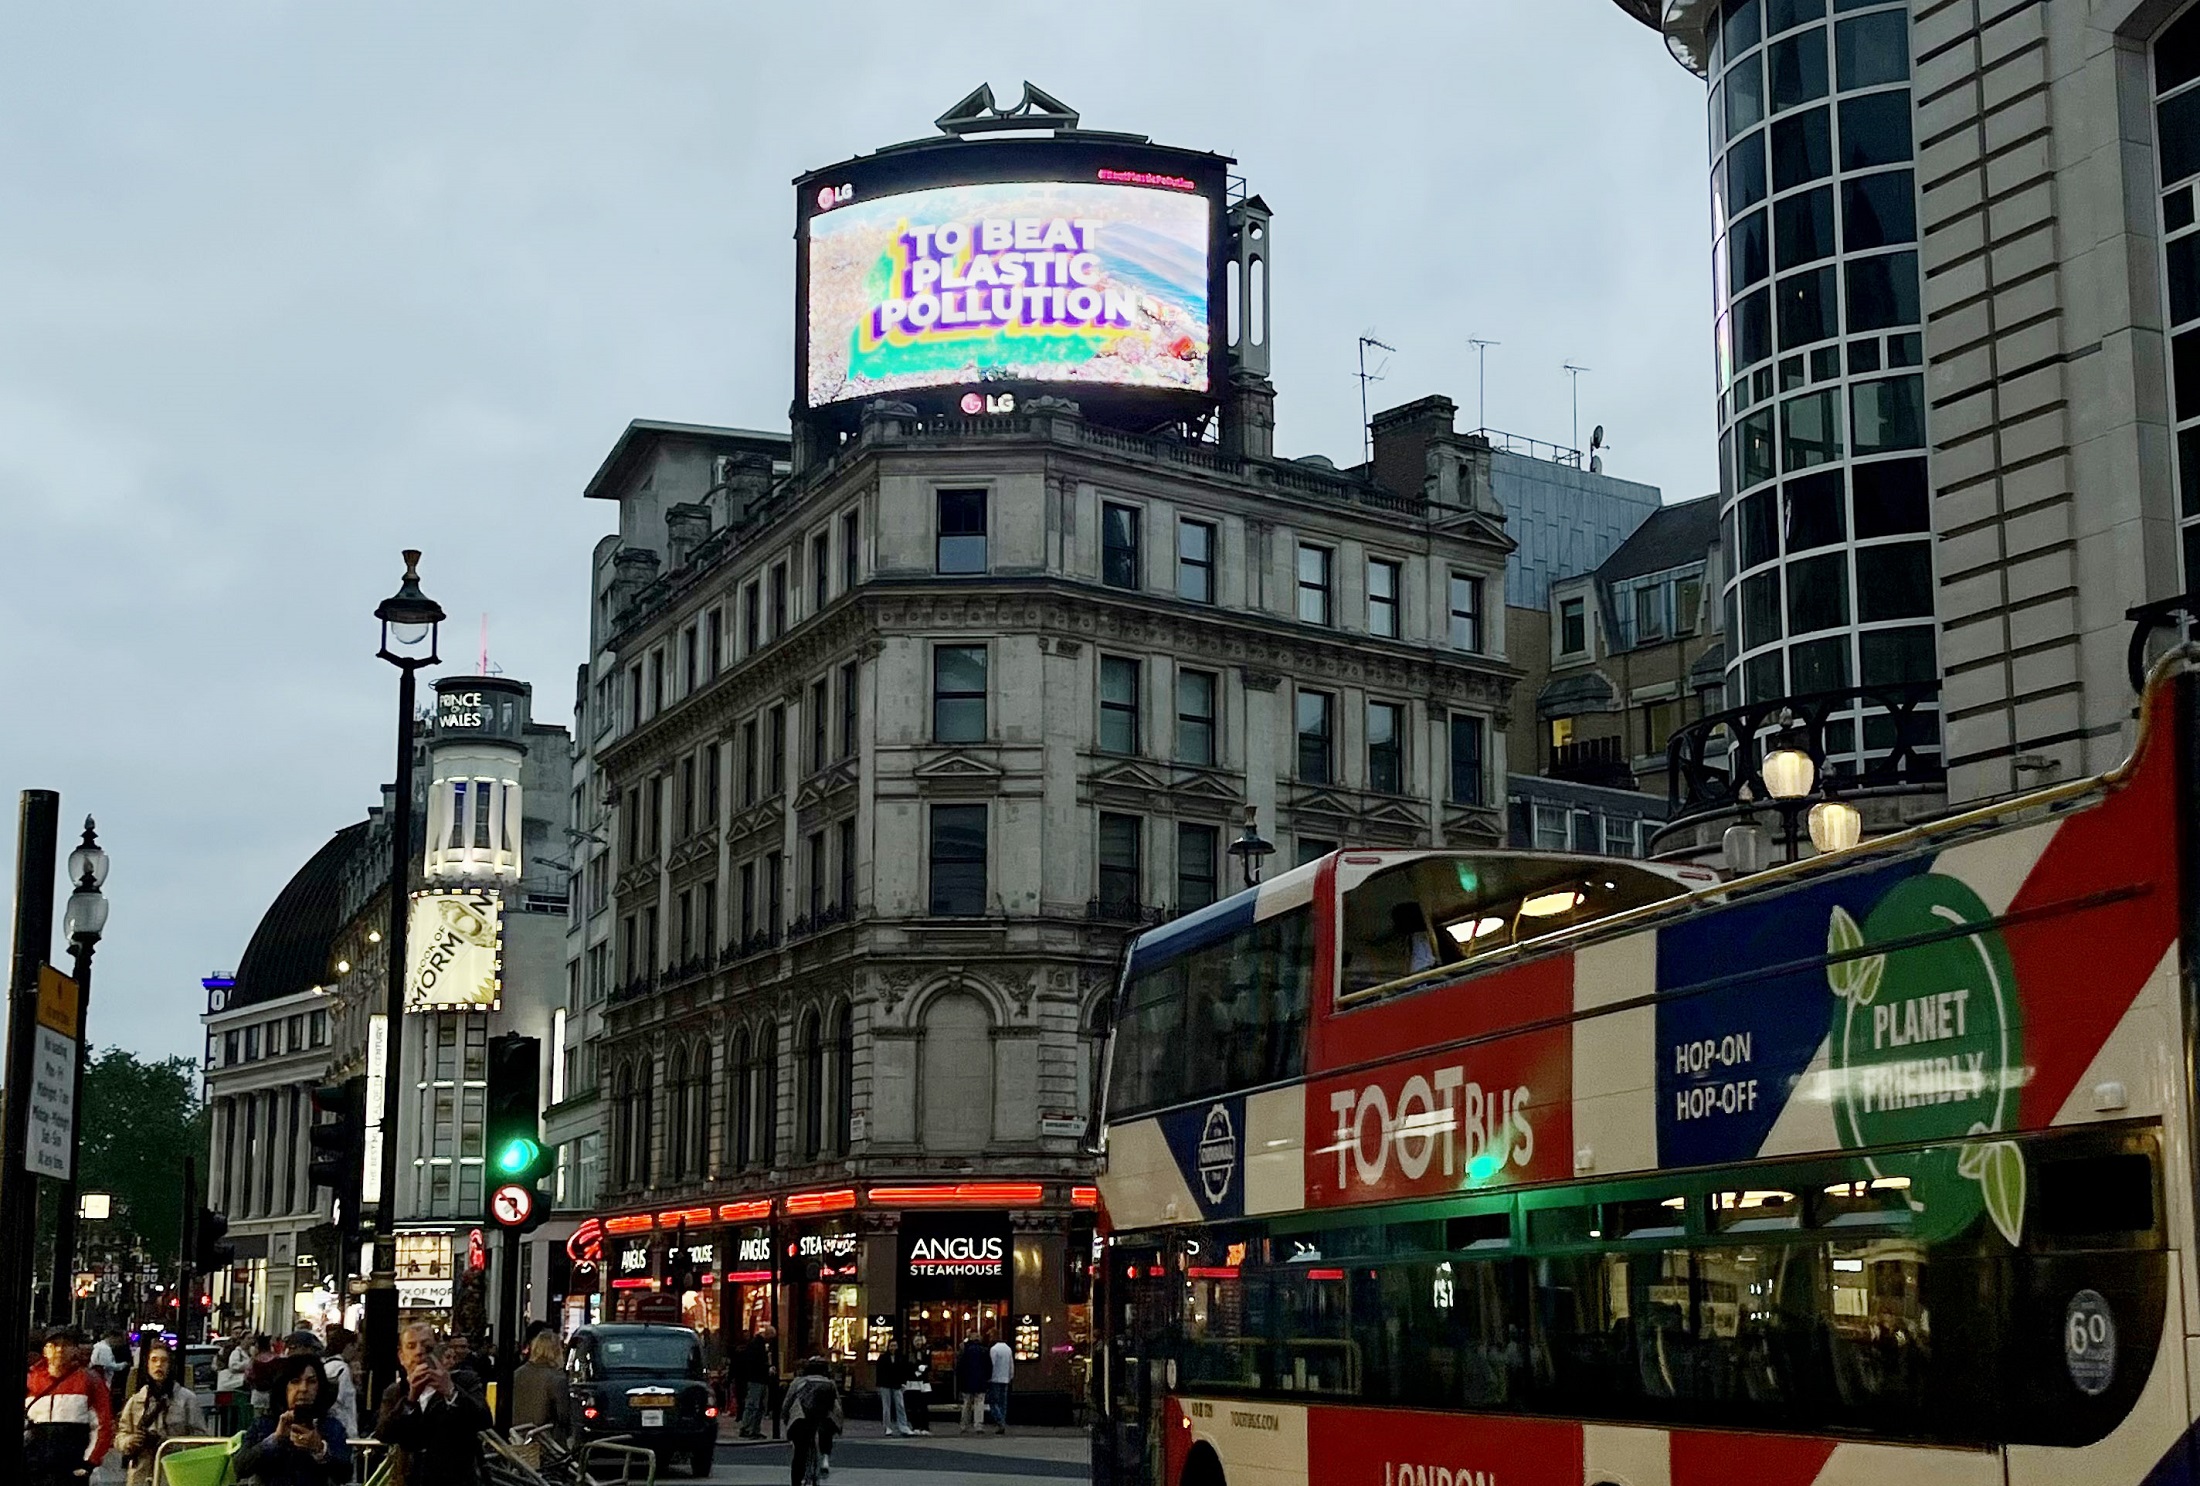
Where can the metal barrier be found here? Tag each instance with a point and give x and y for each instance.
(366, 1454)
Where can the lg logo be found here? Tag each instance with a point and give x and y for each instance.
(975, 403)
(829, 197)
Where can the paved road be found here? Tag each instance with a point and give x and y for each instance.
(1039, 1457)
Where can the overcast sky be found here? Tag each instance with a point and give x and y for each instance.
(286, 287)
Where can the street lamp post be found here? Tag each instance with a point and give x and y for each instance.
(409, 631)
(1789, 773)
(83, 921)
(1250, 849)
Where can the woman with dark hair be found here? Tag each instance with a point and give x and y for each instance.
(162, 1409)
(303, 1444)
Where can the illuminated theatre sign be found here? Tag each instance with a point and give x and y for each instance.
(454, 952)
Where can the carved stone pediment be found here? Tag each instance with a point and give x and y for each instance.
(957, 768)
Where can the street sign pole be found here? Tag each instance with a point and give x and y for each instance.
(36, 823)
(508, 1357)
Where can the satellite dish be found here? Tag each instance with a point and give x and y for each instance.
(1596, 438)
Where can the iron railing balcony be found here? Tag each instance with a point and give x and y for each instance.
(1717, 762)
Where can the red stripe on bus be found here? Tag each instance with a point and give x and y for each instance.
(1704, 1458)
(1540, 990)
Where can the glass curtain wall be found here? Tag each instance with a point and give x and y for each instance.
(1820, 349)
(2177, 140)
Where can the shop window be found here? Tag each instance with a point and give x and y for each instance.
(956, 1098)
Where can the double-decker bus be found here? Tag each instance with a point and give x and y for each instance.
(1428, 1168)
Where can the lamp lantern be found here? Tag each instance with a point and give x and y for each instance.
(1789, 773)
(1835, 825)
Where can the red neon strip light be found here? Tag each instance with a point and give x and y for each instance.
(694, 1217)
(1325, 1274)
(810, 1204)
(749, 1277)
(631, 1284)
(973, 1194)
(1084, 1196)
(745, 1212)
(631, 1223)
(1221, 1272)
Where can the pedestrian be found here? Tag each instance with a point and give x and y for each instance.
(111, 1360)
(68, 1420)
(460, 1363)
(432, 1426)
(345, 1406)
(973, 1375)
(539, 1394)
(916, 1392)
(163, 1408)
(302, 1444)
(1003, 1360)
(260, 1374)
(813, 1418)
(756, 1372)
(891, 1411)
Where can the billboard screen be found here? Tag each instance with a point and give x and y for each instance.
(1092, 283)
(454, 952)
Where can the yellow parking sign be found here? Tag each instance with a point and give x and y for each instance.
(57, 1001)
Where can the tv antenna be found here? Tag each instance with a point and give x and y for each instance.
(1575, 372)
(1482, 379)
(1367, 434)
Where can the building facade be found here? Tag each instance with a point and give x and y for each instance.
(1952, 284)
(900, 749)
(489, 803)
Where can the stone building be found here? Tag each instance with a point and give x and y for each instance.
(894, 752)
(1954, 262)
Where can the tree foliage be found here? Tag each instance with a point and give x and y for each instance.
(141, 1121)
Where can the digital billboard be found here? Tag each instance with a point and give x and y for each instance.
(454, 951)
(1102, 282)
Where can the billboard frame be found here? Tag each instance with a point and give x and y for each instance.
(1068, 155)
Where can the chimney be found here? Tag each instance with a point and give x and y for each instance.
(1402, 438)
(1249, 417)
(632, 570)
(745, 479)
(686, 525)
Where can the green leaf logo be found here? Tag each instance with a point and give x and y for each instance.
(1851, 976)
(1998, 1167)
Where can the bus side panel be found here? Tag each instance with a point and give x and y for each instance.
(1382, 1447)
(1259, 1443)
(1876, 1465)
(1142, 1184)
(2153, 1433)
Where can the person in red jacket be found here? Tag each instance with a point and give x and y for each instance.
(68, 1420)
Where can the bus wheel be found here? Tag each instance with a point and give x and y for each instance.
(1201, 1468)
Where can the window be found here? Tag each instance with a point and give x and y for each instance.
(779, 599)
(961, 546)
(1466, 759)
(710, 785)
(1889, 414)
(1466, 612)
(1121, 839)
(710, 918)
(1314, 566)
(1119, 681)
(820, 710)
(1872, 50)
(849, 703)
(1891, 498)
(1894, 581)
(1573, 626)
(1549, 825)
(1798, 68)
(821, 570)
(689, 660)
(1818, 593)
(751, 605)
(748, 763)
(846, 843)
(1802, 148)
(656, 681)
(654, 822)
(1810, 430)
(1314, 709)
(1198, 856)
(1386, 747)
(958, 861)
(1659, 720)
(775, 893)
(775, 728)
(1195, 561)
(1883, 292)
(1195, 717)
(1878, 211)
(956, 1095)
(1119, 546)
(714, 640)
(1803, 225)
(1311, 849)
(687, 797)
(958, 694)
(1749, 255)
(851, 528)
(814, 868)
(1687, 604)
(1875, 130)
(1649, 613)
(748, 902)
(1382, 598)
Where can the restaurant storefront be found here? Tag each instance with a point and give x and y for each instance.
(849, 1273)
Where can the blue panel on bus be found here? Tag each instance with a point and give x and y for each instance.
(1728, 1058)
(1195, 931)
(1208, 1142)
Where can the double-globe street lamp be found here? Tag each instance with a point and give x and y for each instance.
(83, 921)
(1835, 825)
(410, 621)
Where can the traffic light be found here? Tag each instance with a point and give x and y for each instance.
(518, 1162)
(208, 1252)
(338, 1140)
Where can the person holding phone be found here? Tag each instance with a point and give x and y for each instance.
(301, 1443)
(432, 1425)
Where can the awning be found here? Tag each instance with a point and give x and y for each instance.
(1571, 696)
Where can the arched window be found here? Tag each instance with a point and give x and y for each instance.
(844, 1074)
(744, 1101)
(810, 1048)
(957, 1094)
(767, 1094)
(622, 1126)
(676, 1138)
(698, 1164)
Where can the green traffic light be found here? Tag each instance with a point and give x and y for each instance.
(517, 1157)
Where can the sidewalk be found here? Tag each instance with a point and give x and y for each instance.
(1064, 1445)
